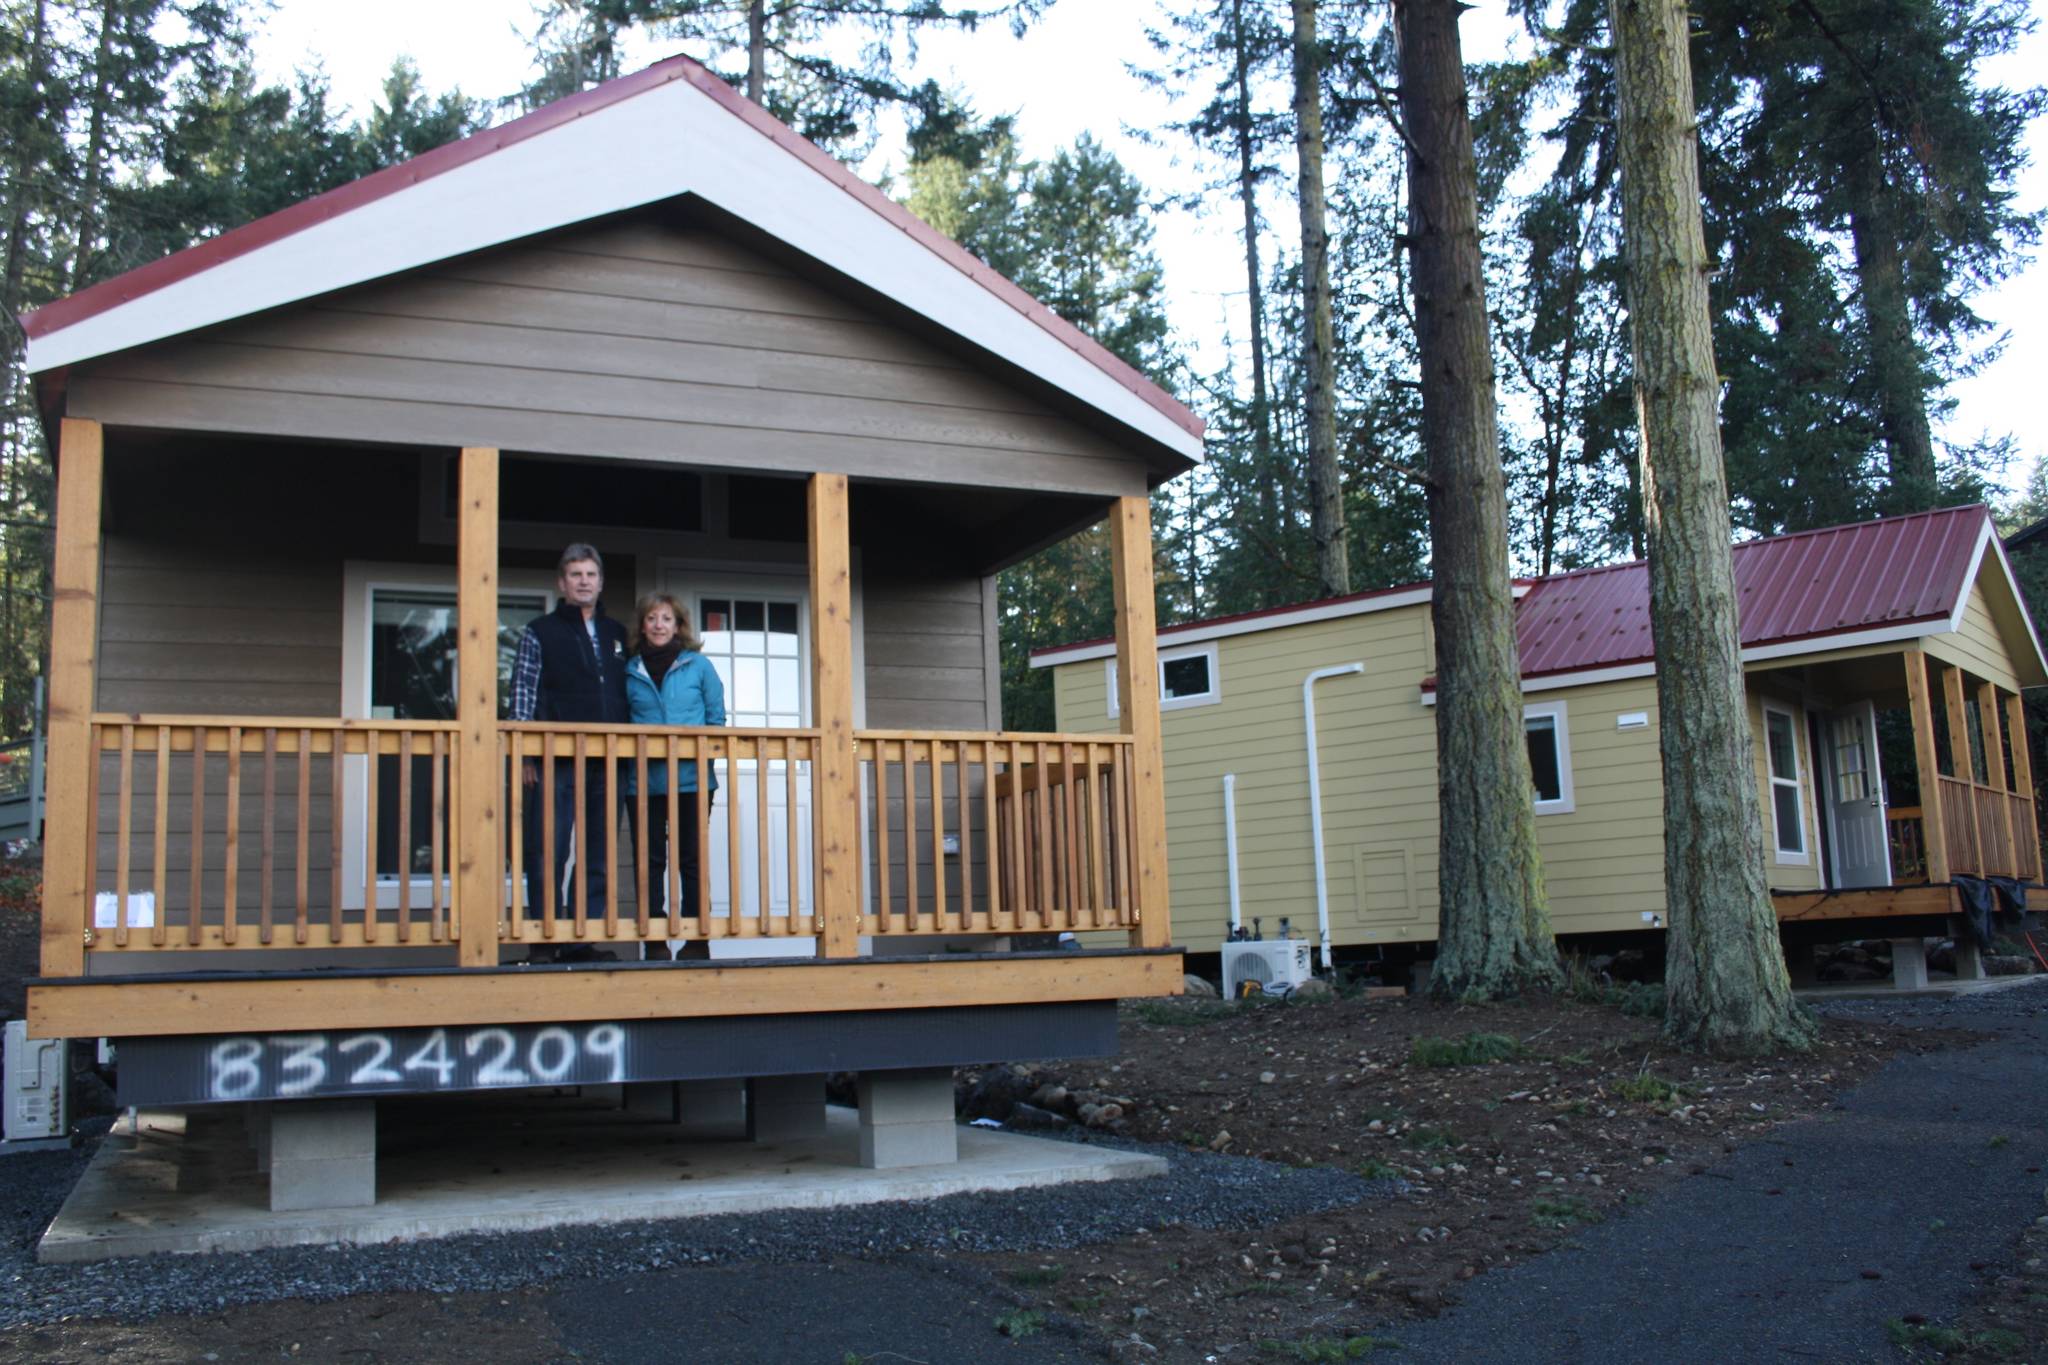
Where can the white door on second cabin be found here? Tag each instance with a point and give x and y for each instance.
(754, 634)
(1855, 794)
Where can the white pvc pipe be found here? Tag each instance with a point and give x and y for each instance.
(1315, 797)
(1230, 844)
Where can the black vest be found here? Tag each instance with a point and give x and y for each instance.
(573, 686)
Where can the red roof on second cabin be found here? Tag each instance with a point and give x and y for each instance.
(1860, 577)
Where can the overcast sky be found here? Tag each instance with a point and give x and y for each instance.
(1067, 76)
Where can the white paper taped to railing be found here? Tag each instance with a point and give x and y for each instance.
(106, 910)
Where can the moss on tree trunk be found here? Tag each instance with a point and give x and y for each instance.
(1493, 928)
(1726, 987)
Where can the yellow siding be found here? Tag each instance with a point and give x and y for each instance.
(1603, 860)
(1978, 645)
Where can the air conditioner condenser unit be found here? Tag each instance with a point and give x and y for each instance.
(1276, 965)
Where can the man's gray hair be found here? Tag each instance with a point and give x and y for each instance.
(576, 553)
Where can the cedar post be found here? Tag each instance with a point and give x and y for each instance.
(70, 844)
(480, 778)
(2027, 853)
(835, 776)
(1137, 681)
(1989, 721)
(1964, 761)
(1921, 704)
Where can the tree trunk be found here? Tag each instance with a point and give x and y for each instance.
(1725, 983)
(1493, 934)
(757, 49)
(1325, 484)
(1898, 372)
(1247, 193)
(95, 146)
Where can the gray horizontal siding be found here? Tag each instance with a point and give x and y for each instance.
(635, 341)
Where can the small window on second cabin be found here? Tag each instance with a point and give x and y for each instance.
(1187, 677)
(1550, 760)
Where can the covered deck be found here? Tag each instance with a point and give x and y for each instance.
(210, 874)
(1969, 807)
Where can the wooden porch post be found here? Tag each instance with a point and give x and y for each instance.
(1137, 681)
(1962, 760)
(1994, 769)
(479, 833)
(2028, 851)
(835, 776)
(1921, 703)
(69, 847)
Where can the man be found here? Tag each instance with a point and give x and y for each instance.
(571, 667)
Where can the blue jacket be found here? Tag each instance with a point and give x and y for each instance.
(690, 694)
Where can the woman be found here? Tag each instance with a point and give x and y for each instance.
(668, 682)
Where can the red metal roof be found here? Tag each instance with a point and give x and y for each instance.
(1843, 578)
(146, 279)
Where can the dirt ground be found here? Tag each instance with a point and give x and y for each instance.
(1584, 1112)
(1507, 1128)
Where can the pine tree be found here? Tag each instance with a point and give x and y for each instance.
(1493, 935)
(1725, 983)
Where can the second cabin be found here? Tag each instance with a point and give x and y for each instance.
(1884, 660)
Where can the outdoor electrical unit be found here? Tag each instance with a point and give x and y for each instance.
(1275, 965)
(38, 1114)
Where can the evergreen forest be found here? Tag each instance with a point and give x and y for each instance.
(1858, 173)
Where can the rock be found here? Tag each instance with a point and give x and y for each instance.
(1315, 988)
(1025, 1117)
(1267, 1078)
(1105, 1115)
(1053, 1097)
(1200, 988)
(1220, 1141)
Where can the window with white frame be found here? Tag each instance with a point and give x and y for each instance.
(1188, 676)
(1788, 810)
(1550, 755)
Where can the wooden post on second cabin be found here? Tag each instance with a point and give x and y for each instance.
(1137, 681)
(480, 778)
(835, 776)
(69, 850)
(1920, 702)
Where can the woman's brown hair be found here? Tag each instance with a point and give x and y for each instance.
(685, 635)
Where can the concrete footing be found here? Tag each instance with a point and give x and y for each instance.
(323, 1154)
(185, 1182)
(1969, 961)
(906, 1118)
(1909, 964)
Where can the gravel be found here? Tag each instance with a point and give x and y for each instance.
(1982, 1008)
(1200, 1190)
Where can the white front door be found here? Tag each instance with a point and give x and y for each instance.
(754, 634)
(1855, 796)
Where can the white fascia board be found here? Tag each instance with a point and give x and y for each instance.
(667, 141)
(1174, 637)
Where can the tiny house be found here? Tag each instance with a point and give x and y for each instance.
(314, 475)
(1904, 637)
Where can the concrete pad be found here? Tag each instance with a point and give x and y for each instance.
(188, 1182)
(1885, 990)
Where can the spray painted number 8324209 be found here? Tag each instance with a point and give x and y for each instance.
(293, 1065)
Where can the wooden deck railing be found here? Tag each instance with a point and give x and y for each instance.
(1988, 832)
(267, 832)
(219, 832)
(997, 833)
(1908, 837)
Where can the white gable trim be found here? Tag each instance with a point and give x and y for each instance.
(669, 140)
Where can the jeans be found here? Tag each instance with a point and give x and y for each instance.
(599, 816)
(657, 848)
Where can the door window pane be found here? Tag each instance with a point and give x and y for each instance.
(1852, 782)
(755, 644)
